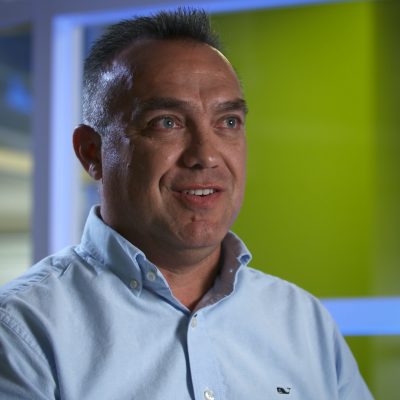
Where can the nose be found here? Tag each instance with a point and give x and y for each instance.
(201, 151)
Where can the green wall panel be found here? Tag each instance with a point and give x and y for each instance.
(307, 75)
(387, 143)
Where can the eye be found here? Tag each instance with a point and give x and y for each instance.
(164, 122)
(232, 122)
(167, 122)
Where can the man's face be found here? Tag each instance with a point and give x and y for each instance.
(174, 174)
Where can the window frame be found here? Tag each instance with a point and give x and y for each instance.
(57, 29)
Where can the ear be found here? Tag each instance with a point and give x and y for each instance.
(87, 146)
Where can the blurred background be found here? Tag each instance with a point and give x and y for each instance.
(323, 195)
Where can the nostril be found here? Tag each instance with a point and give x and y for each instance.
(197, 166)
(200, 157)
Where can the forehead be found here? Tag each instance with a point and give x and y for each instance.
(178, 67)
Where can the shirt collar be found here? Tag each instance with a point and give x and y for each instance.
(235, 257)
(109, 250)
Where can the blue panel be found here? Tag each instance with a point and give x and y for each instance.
(366, 316)
(108, 17)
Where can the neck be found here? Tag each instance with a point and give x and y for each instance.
(190, 280)
(190, 272)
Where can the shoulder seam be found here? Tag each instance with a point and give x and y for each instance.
(14, 327)
(50, 267)
(39, 277)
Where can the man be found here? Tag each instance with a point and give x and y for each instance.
(157, 302)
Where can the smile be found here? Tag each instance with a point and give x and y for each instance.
(199, 192)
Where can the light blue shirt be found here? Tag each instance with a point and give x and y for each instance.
(99, 321)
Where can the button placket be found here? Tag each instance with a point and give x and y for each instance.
(205, 373)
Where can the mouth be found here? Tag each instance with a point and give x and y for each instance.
(199, 196)
(199, 192)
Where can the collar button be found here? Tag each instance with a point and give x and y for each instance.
(151, 276)
(133, 284)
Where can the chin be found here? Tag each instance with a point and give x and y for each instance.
(197, 236)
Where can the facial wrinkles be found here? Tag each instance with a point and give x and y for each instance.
(206, 171)
(198, 87)
(191, 81)
(209, 93)
(200, 126)
(145, 168)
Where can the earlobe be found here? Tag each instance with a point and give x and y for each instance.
(87, 146)
(95, 171)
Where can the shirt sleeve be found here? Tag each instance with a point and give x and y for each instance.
(356, 390)
(24, 371)
(350, 382)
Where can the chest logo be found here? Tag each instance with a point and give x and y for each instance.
(282, 390)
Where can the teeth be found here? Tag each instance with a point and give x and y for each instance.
(199, 192)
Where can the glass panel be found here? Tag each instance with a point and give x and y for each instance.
(15, 151)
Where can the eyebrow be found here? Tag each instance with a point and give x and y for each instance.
(171, 103)
(233, 105)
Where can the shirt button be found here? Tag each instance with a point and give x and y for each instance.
(151, 276)
(133, 284)
(209, 394)
(193, 322)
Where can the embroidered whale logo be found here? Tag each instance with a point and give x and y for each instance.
(282, 390)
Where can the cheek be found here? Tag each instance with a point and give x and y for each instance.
(237, 157)
(239, 172)
(112, 159)
(115, 153)
(154, 160)
(117, 159)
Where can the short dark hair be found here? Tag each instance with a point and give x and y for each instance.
(183, 23)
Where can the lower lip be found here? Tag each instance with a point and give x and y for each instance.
(203, 202)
